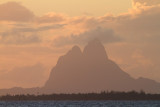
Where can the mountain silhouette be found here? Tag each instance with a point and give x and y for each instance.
(92, 71)
(89, 70)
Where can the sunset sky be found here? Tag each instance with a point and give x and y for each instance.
(73, 8)
(34, 33)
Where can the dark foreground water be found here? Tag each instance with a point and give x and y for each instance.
(80, 104)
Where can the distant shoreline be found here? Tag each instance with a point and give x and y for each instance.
(103, 96)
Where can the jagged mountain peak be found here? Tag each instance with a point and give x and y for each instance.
(95, 50)
(76, 48)
(74, 51)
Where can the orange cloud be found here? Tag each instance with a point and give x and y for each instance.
(52, 18)
(13, 11)
(146, 2)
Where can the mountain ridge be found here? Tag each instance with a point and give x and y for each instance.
(89, 70)
(97, 73)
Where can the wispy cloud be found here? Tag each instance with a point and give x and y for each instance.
(25, 35)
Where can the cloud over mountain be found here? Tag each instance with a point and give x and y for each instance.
(105, 35)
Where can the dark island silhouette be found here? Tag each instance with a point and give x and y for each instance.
(88, 71)
(132, 95)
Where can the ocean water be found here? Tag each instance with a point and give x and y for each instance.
(80, 104)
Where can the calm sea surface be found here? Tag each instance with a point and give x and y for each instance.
(81, 104)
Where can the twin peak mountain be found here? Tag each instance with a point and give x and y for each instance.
(92, 71)
(88, 71)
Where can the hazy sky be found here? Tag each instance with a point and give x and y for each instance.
(34, 33)
(76, 7)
